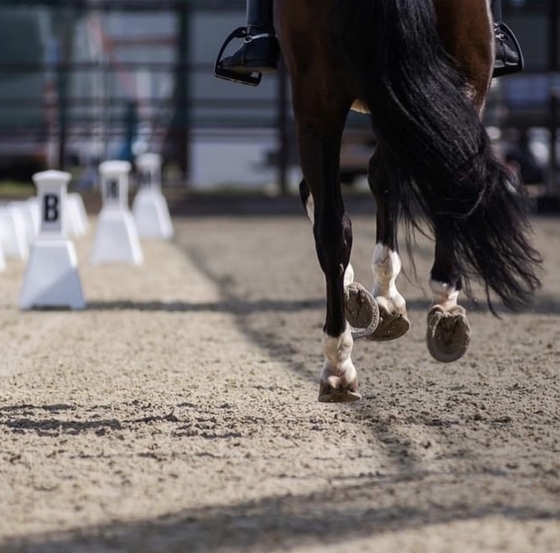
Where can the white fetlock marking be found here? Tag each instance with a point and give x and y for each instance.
(348, 275)
(445, 295)
(338, 361)
(386, 265)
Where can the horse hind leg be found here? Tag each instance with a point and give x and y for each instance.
(360, 308)
(386, 263)
(448, 332)
(466, 31)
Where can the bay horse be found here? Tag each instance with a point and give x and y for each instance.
(421, 69)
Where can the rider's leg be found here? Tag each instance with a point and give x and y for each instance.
(508, 56)
(260, 50)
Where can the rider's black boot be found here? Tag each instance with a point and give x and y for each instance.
(259, 52)
(509, 58)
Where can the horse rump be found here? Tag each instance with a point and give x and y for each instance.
(431, 133)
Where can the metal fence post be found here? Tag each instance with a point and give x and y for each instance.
(182, 83)
(66, 37)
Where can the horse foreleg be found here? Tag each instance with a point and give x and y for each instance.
(319, 146)
(361, 311)
(333, 238)
(386, 263)
(448, 333)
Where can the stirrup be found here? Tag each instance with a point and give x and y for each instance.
(250, 79)
(507, 34)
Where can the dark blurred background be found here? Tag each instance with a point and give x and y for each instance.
(82, 81)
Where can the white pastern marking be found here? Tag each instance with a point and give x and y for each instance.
(338, 351)
(386, 267)
(348, 275)
(445, 295)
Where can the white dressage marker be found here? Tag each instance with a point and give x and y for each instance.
(116, 237)
(149, 207)
(12, 232)
(29, 210)
(35, 210)
(78, 224)
(51, 278)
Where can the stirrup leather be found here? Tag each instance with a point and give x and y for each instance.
(508, 36)
(251, 79)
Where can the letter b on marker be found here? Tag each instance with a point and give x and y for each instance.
(51, 210)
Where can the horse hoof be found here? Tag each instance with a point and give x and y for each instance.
(330, 395)
(361, 310)
(448, 334)
(392, 325)
(336, 389)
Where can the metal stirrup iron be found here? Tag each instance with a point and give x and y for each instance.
(505, 34)
(251, 79)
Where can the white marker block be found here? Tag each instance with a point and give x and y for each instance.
(150, 208)
(35, 210)
(78, 224)
(29, 210)
(149, 169)
(116, 237)
(51, 278)
(152, 215)
(12, 232)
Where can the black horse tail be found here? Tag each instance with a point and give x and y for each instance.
(444, 169)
